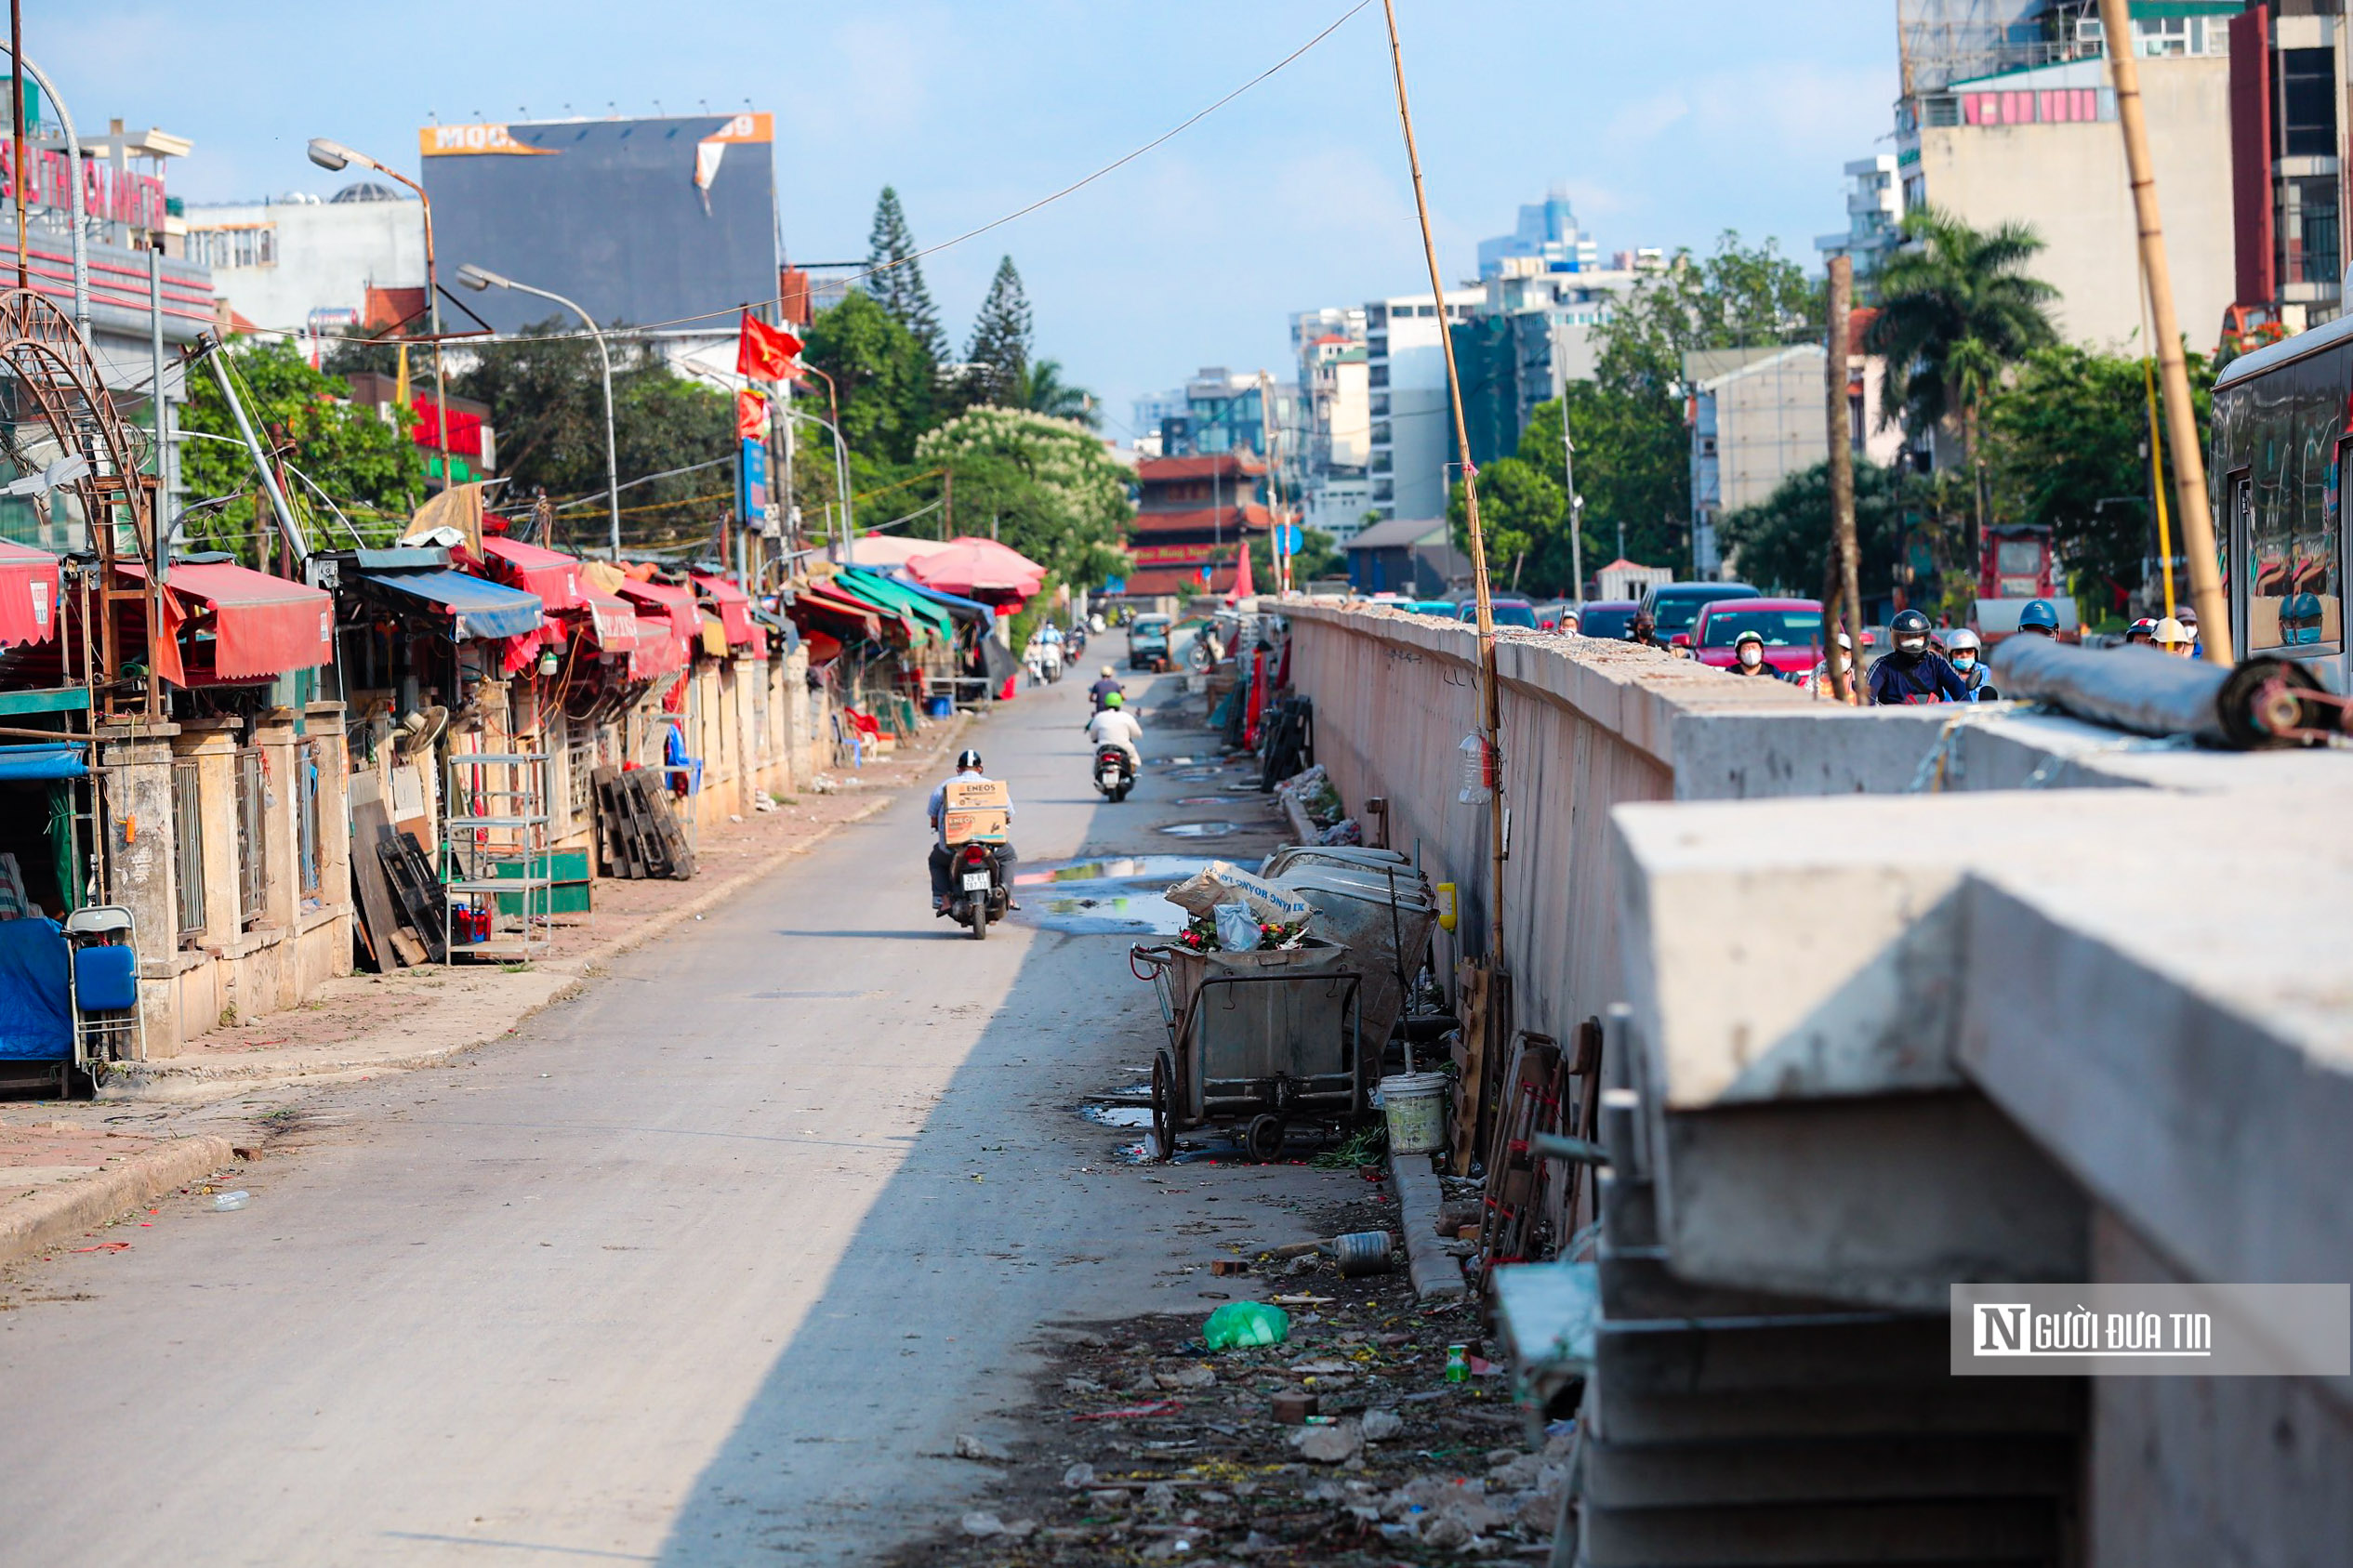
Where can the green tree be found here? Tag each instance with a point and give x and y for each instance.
(1781, 541)
(1320, 556)
(997, 361)
(1524, 514)
(374, 472)
(881, 374)
(1047, 486)
(546, 395)
(1956, 308)
(1044, 391)
(2066, 447)
(896, 280)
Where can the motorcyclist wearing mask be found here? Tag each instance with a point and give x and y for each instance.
(1966, 652)
(1748, 657)
(1115, 726)
(1913, 672)
(1818, 680)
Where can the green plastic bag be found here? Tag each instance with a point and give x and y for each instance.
(1246, 1323)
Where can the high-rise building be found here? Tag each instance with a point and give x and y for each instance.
(1548, 236)
(1335, 419)
(1406, 388)
(1875, 212)
(300, 265)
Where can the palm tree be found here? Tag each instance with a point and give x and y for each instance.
(1956, 308)
(1042, 390)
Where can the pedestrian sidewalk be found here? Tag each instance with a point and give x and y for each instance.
(65, 1167)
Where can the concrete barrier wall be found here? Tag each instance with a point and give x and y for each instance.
(1587, 725)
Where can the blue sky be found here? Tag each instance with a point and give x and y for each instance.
(1667, 122)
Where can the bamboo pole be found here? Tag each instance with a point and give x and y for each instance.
(1489, 699)
(2181, 420)
(1842, 546)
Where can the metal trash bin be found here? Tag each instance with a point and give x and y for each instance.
(1382, 912)
(1266, 1036)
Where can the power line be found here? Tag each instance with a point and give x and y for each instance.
(1072, 188)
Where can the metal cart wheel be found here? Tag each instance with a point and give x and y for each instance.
(1263, 1141)
(1163, 1106)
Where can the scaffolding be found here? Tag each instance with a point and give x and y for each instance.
(1940, 42)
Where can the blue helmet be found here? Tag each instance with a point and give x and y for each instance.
(2038, 615)
(2300, 618)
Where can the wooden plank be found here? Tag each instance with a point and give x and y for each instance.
(1470, 988)
(370, 827)
(54, 699)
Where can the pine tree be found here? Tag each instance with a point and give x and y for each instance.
(900, 290)
(1000, 354)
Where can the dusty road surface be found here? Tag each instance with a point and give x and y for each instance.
(710, 1265)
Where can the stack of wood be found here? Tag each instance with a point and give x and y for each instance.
(639, 834)
(403, 910)
(1533, 1203)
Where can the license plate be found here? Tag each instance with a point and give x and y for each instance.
(976, 881)
(1108, 777)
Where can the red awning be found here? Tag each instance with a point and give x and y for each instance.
(255, 626)
(818, 601)
(732, 606)
(28, 595)
(551, 575)
(671, 607)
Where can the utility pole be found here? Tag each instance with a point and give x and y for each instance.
(1843, 546)
(1576, 507)
(1490, 696)
(2181, 420)
(1274, 489)
(15, 163)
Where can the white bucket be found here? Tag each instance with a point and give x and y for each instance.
(1415, 1104)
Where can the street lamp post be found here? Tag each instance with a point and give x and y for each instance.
(840, 481)
(478, 278)
(334, 155)
(74, 198)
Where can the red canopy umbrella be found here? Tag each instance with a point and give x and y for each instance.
(972, 568)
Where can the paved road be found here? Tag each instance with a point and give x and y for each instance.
(707, 1267)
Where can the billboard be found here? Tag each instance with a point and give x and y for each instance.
(640, 221)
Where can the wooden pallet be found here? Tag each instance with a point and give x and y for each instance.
(639, 835)
(424, 906)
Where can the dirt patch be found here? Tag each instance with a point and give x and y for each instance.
(1139, 1446)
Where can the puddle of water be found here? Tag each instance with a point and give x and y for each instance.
(1201, 830)
(1198, 775)
(1114, 896)
(1210, 800)
(1117, 1115)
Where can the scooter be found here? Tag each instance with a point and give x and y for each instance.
(1114, 775)
(977, 893)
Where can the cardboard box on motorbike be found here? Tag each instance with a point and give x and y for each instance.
(976, 810)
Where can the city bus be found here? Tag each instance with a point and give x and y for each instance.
(2282, 431)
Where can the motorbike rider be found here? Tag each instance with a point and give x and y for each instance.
(967, 769)
(1107, 687)
(2039, 618)
(1913, 672)
(1818, 680)
(2143, 631)
(1112, 725)
(1748, 656)
(2175, 639)
(1966, 652)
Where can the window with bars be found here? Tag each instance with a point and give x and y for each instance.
(188, 848)
(253, 838)
(579, 770)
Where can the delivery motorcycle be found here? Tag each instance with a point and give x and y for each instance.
(977, 890)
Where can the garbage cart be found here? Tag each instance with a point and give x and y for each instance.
(1262, 1037)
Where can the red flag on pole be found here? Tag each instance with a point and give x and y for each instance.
(1243, 587)
(751, 415)
(766, 353)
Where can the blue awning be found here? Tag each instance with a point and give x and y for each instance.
(477, 608)
(962, 609)
(41, 760)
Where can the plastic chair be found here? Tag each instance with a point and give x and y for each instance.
(103, 983)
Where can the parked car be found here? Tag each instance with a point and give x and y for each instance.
(1673, 606)
(1791, 629)
(1431, 607)
(1607, 618)
(1507, 612)
(1148, 642)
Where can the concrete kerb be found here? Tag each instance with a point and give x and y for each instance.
(1437, 1276)
(57, 1214)
(196, 1081)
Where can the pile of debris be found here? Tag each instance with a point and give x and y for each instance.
(1375, 1431)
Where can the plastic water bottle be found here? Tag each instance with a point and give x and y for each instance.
(230, 1202)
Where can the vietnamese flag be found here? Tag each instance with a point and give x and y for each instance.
(751, 415)
(766, 353)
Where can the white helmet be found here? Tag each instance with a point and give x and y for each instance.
(1847, 642)
(1961, 637)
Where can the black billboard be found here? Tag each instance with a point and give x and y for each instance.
(639, 221)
